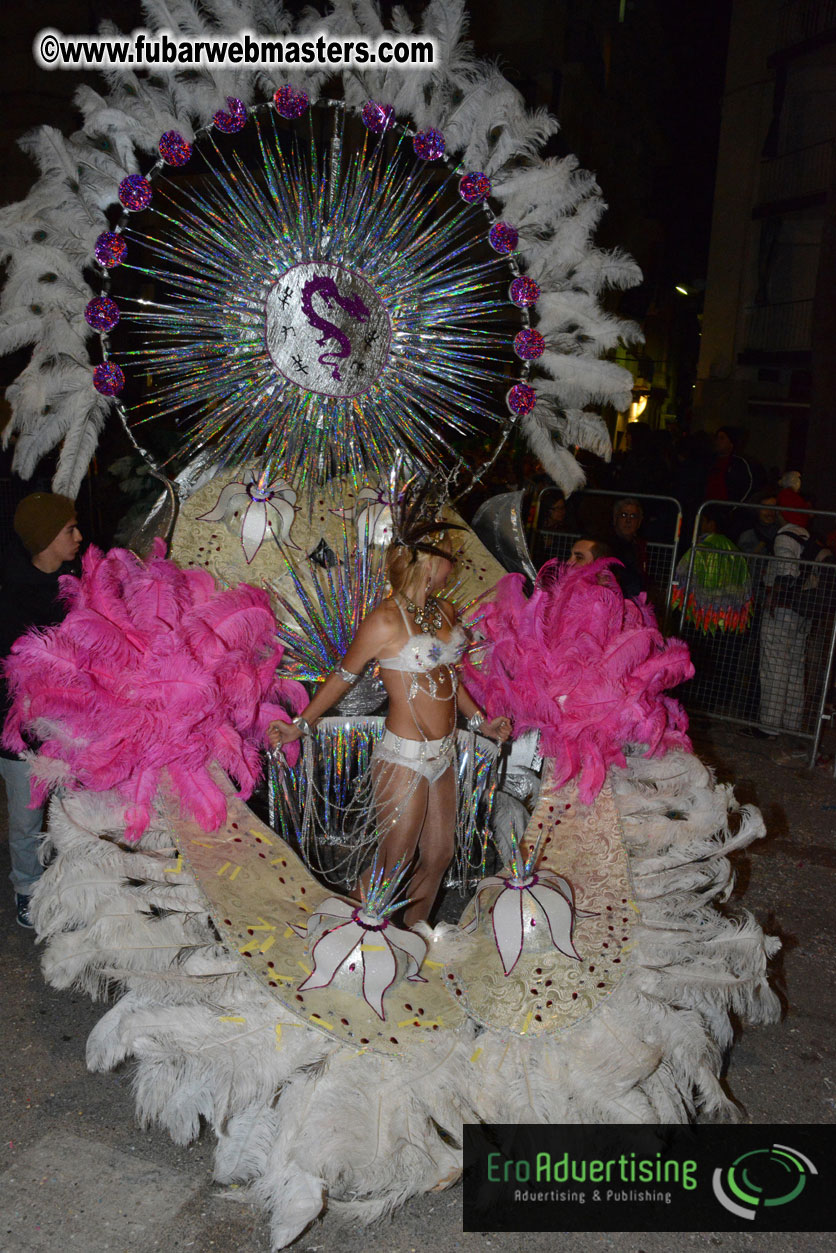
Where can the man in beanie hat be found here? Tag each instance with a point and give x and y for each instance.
(49, 537)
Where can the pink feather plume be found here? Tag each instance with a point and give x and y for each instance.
(584, 667)
(153, 668)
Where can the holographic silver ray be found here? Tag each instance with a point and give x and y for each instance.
(323, 311)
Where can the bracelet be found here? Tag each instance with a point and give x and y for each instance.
(347, 676)
(303, 725)
(476, 721)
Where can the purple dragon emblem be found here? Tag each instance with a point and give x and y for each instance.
(326, 288)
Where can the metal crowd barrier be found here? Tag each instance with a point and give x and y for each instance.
(761, 628)
(590, 514)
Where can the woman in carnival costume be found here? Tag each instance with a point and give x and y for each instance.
(409, 795)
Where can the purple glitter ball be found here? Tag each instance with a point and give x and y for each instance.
(174, 149)
(503, 237)
(108, 378)
(102, 313)
(135, 192)
(290, 102)
(234, 120)
(524, 292)
(529, 344)
(474, 187)
(377, 117)
(521, 399)
(110, 249)
(429, 145)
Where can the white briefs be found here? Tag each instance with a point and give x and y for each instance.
(430, 758)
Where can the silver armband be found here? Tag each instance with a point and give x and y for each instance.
(476, 721)
(347, 676)
(303, 725)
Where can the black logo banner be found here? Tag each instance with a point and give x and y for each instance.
(629, 1177)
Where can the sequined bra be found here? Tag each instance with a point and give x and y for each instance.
(422, 653)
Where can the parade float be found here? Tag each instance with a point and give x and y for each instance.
(318, 285)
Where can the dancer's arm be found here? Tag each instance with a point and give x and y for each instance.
(497, 728)
(372, 636)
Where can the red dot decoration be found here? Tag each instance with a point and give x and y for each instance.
(521, 399)
(429, 145)
(135, 193)
(174, 148)
(529, 345)
(291, 102)
(503, 237)
(110, 249)
(108, 378)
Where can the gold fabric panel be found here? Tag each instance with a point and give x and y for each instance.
(255, 886)
(547, 992)
(216, 546)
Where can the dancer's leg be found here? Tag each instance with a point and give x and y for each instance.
(400, 806)
(436, 846)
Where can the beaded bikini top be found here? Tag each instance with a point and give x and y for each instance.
(422, 653)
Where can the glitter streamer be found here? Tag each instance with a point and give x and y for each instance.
(348, 263)
(318, 800)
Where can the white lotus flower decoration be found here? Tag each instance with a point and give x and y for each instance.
(263, 504)
(357, 948)
(372, 513)
(530, 909)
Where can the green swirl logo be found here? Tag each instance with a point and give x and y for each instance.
(761, 1179)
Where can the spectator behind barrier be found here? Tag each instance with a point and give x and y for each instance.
(758, 537)
(627, 545)
(730, 475)
(715, 589)
(585, 551)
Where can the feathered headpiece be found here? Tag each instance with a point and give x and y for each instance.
(415, 515)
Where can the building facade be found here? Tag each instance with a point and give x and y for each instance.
(769, 330)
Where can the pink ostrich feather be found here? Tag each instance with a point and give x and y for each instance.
(154, 668)
(584, 667)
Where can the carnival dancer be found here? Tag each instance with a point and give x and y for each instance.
(410, 793)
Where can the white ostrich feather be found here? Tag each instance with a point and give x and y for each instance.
(314, 1119)
(586, 430)
(366, 14)
(557, 462)
(79, 444)
(543, 194)
(576, 381)
(178, 16)
(521, 139)
(570, 315)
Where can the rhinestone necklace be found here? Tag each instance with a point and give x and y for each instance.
(430, 619)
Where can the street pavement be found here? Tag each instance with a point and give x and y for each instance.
(78, 1173)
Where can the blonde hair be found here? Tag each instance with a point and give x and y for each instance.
(409, 568)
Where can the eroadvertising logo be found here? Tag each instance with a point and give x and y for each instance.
(762, 1177)
(647, 1178)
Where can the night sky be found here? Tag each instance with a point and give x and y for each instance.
(640, 99)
